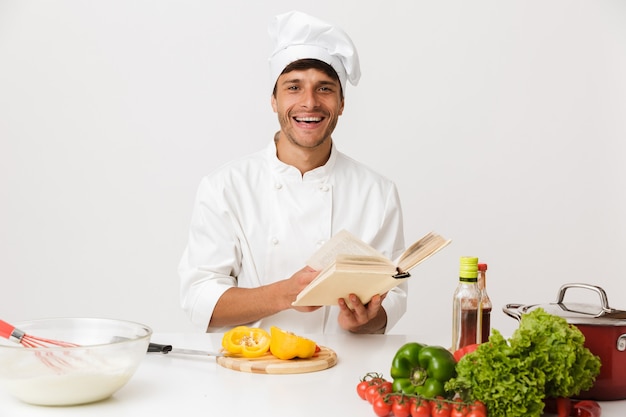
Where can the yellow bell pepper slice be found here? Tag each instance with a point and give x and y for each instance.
(286, 345)
(249, 342)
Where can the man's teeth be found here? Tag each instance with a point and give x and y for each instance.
(308, 119)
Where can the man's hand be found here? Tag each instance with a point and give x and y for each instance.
(238, 305)
(296, 283)
(363, 318)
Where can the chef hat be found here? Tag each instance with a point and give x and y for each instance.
(297, 35)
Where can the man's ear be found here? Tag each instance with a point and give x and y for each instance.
(274, 107)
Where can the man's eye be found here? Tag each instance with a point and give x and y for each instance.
(292, 87)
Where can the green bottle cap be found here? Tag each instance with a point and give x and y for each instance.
(469, 268)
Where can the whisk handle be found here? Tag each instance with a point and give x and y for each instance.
(9, 331)
(156, 347)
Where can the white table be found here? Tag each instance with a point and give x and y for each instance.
(177, 385)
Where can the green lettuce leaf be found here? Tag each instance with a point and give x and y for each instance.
(545, 357)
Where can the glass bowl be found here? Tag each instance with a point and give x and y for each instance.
(108, 354)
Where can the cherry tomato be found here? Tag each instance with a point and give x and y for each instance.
(437, 402)
(420, 408)
(371, 378)
(375, 391)
(476, 413)
(440, 408)
(385, 387)
(371, 393)
(401, 406)
(458, 410)
(382, 408)
(361, 388)
(441, 412)
(478, 406)
(377, 380)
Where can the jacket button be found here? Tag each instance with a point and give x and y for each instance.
(274, 241)
(278, 186)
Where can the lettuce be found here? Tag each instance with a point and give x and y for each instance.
(545, 357)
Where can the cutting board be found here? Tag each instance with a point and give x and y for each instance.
(269, 364)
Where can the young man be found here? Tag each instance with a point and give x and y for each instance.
(258, 219)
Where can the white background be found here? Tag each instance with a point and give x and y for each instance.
(503, 124)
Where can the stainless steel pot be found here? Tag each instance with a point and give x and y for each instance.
(604, 329)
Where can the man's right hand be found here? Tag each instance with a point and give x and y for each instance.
(297, 283)
(237, 305)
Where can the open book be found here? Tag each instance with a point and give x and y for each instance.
(350, 266)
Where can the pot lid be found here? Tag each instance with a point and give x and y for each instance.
(576, 313)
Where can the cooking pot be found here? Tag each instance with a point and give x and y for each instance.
(604, 329)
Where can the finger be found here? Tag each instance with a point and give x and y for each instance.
(376, 302)
(358, 309)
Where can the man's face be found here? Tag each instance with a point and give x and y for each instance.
(308, 104)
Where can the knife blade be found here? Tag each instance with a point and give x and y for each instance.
(165, 349)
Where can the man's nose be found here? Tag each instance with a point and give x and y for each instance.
(309, 99)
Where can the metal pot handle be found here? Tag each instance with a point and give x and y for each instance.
(603, 298)
(513, 310)
(621, 343)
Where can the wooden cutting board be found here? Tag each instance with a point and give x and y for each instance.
(269, 364)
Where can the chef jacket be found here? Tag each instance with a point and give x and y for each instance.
(257, 220)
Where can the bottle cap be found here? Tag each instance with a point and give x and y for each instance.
(469, 268)
(482, 267)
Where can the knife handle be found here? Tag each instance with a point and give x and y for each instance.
(155, 347)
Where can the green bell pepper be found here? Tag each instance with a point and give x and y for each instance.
(422, 369)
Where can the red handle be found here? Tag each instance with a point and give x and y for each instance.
(6, 330)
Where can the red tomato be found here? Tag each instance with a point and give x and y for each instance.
(458, 410)
(385, 387)
(361, 388)
(376, 380)
(381, 407)
(476, 413)
(440, 409)
(478, 406)
(371, 393)
(374, 391)
(420, 408)
(441, 412)
(401, 406)
(437, 402)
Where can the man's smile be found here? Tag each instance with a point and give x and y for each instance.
(308, 119)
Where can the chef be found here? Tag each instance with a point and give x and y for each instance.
(257, 220)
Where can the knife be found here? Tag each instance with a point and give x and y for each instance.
(165, 349)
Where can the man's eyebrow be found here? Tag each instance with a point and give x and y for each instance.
(297, 80)
(291, 80)
(328, 82)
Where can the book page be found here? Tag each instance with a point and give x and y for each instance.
(358, 263)
(343, 243)
(421, 250)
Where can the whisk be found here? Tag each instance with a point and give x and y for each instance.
(10, 332)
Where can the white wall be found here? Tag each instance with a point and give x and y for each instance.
(503, 124)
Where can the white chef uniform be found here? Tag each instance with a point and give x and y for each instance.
(257, 220)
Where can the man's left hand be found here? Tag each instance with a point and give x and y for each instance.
(363, 318)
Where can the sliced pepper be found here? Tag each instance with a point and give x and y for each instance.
(249, 342)
(286, 345)
(423, 370)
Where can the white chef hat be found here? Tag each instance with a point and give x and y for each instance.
(297, 35)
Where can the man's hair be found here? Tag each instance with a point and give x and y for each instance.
(311, 63)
